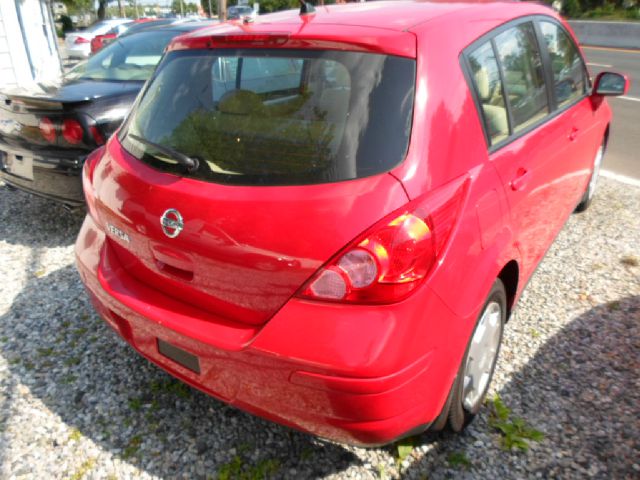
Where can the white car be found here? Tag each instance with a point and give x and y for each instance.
(78, 44)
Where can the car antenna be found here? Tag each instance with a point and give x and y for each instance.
(306, 8)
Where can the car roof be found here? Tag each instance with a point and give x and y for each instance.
(388, 27)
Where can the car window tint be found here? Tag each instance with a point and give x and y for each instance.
(274, 76)
(276, 117)
(568, 69)
(523, 75)
(486, 79)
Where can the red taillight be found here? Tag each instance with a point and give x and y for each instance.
(391, 259)
(80, 40)
(253, 39)
(97, 135)
(48, 130)
(72, 131)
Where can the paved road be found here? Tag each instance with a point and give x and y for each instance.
(623, 156)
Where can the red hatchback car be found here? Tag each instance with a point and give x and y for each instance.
(326, 218)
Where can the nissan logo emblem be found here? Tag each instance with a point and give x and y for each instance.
(171, 223)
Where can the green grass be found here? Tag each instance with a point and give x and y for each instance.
(515, 433)
(237, 470)
(459, 459)
(174, 387)
(86, 466)
(404, 448)
(132, 447)
(135, 404)
(75, 435)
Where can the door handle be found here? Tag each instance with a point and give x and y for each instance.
(574, 134)
(521, 180)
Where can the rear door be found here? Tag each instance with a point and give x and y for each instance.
(527, 146)
(292, 150)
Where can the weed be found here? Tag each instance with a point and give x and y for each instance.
(534, 333)
(65, 324)
(306, 453)
(630, 261)
(235, 470)
(459, 459)
(72, 361)
(404, 448)
(174, 387)
(614, 305)
(40, 273)
(78, 332)
(69, 379)
(135, 404)
(382, 472)
(45, 352)
(75, 435)
(132, 447)
(86, 466)
(515, 433)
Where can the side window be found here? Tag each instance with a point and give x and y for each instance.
(568, 70)
(486, 79)
(523, 75)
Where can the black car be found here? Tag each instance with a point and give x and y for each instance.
(46, 131)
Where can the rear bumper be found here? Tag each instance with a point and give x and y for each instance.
(51, 177)
(361, 375)
(79, 51)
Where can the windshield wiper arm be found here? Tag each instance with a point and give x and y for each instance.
(191, 164)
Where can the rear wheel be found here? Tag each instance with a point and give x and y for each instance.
(591, 187)
(477, 366)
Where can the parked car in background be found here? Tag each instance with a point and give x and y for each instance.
(326, 220)
(100, 41)
(129, 29)
(46, 131)
(78, 44)
(241, 11)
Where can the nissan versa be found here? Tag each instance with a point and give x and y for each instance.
(325, 218)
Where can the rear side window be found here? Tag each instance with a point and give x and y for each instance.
(486, 77)
(275, 117)
(523, 75)
(569, 77)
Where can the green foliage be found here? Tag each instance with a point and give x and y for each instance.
(83, 469)
(515, 432)
(459, 459)
(236, 470)
(571, 8)
(404, 448)
(267, 6)
(132, 447)
(171, 386)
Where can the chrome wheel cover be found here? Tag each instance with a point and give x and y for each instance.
(597, 162)
(482, 356)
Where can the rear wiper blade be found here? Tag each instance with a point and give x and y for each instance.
(191, 164)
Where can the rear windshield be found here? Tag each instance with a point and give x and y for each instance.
(274, 117)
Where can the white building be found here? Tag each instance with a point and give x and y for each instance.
(28, 44)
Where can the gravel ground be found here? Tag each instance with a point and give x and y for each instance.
(77, 402)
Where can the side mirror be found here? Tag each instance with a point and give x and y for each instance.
(611, 84)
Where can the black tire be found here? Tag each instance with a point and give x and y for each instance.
(459, 416)
(587, 198)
